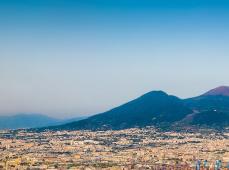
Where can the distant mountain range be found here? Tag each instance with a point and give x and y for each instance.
(19, 121)
(159, 109)
(155, 108)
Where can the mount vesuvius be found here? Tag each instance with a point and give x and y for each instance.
(159, 109)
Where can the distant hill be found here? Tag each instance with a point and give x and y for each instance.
(31, 121)
(219, 91)
(26, 121)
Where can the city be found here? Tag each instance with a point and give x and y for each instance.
(146, 148)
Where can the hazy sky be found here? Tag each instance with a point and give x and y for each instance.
(67, 58)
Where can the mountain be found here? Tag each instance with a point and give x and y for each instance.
(219, 91)
(32, 121)
(210, 108)
(159, 109)
(216, 100)
(153, 108)
(26, 121)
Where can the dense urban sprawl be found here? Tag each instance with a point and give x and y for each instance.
(135, 148)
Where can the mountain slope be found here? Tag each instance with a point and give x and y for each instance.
(211, 108)
(153, 108)
(204, 103)
(211, 118)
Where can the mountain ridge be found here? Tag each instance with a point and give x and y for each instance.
(157, 108)
(25, 121)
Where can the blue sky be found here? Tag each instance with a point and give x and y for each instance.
(66, 58)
